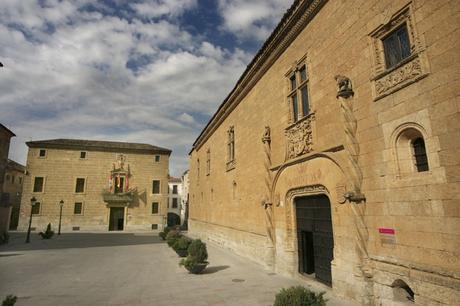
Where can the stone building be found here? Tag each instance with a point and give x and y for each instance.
(174, 201)
(104, 185)
(336, 155)
(5, 208)
(14, 178)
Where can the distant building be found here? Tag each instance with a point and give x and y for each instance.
(174, 201)
(185, 199)
(105, 186)
(336, 155)
(5, 206)
(14, 179)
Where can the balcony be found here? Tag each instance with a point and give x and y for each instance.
(120, 198)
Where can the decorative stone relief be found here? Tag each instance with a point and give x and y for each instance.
(299, 137)
(398, 78)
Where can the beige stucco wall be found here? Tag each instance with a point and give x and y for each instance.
(423, 208)
(61, 167)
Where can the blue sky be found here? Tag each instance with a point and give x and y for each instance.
(137, 71)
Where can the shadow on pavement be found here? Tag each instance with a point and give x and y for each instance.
(214, 269)
(76, 240)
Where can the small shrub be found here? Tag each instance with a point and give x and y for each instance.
(164, 233)
(197, 250)
(48, 233)
(188, 262)
(172, 237)
(10, 300)
(182, 243)
(299, 296)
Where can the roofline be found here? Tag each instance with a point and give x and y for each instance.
(293, 22)
(7, 130)
(44, 144)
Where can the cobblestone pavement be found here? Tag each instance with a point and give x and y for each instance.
(130, 269)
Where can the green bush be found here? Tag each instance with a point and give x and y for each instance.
(164, 233)
(299, 296)
(48, 233)
(172, 237)
(10, 300)
(197, 251)
(182, 243)
(188, 262)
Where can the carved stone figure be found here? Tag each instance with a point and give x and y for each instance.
(344, 87)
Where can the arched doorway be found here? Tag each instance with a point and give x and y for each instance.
(173, 219)
(315, 237)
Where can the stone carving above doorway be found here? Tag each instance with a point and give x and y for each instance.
(300, 137)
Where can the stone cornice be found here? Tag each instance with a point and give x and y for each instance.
(293, 22)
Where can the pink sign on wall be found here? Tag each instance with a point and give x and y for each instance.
(387, 236)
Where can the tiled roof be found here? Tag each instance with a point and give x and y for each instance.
(96, 145)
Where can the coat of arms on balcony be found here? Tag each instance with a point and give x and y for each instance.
(118, 190)
(299, 137)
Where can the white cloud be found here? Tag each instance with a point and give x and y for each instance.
(158, 8)
(70, 73)
(253, 19)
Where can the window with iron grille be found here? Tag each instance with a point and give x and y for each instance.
(396, 46)
(78, 208)
(38, 184)
(155, 187)
(36, 208)
(421, 159)
(155, 208)
(80, 185)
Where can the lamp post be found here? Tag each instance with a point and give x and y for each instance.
(32, 203)
(61, 203)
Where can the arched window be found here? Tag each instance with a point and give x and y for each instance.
(410, 150)
(421, 160)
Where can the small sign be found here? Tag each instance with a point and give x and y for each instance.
(387, 236)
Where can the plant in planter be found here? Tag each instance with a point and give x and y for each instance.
(172, 237)
(48, 233)
(197, 256)
(181, 245)
(299, 296)
(10, 300)
(164, 233)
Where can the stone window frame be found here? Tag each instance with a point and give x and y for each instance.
(159, 187)
(231, 160)
(84, 185)
(45, 153)
(157, 158)
(402, 139)
(82, 208)
(39, 208)
(208, 162)
(294, 70)
(386, 81)
(158, 208)
(43, 185)
(85, 153)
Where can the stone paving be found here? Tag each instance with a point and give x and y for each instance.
(131, 269)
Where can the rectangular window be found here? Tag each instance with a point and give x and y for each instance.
(174, 203)
(154, 226)
(155, 208)
(78, 208)
(156, 187)
(82, 154)
(157, 158)
(293, 82)
(298, 95)
(396, 47)
(295, 109)
(42, 153)
(38, 184)
(36, 208)
(174, 191)
(305, 103)
(80, 185)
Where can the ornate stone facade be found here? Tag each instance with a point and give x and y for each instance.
(394, 227)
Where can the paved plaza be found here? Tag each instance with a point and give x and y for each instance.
(130, 269)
